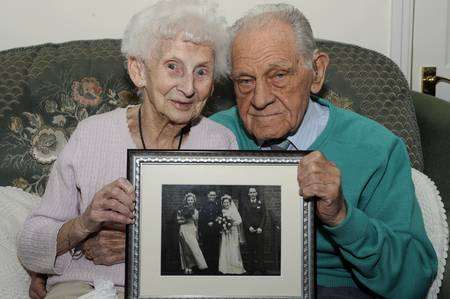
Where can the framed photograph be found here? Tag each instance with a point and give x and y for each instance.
(219, 224)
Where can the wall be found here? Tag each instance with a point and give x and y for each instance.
(23, 22)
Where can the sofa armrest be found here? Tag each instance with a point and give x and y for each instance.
(433, 118)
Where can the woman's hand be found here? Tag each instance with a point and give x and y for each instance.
(37, 285)
(107, 247)
(113, 203)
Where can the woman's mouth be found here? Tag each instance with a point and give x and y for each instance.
(182, 105)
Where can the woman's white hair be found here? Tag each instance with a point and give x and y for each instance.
(264, 14)
(194, 20)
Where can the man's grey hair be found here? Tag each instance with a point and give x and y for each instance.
(264, 14)
(194, 20)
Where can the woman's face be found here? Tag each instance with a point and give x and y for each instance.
(180, 79)
(190, 200)
(226, 203)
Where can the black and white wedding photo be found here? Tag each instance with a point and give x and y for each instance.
(220, 230)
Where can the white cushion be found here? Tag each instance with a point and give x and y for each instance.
(435, 222)
(15, 205)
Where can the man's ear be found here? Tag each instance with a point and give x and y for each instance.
(320, 64)
(136, 70)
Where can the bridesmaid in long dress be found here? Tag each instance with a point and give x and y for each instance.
(230, 259)
(190, 253)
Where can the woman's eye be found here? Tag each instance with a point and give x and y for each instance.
(202, 72)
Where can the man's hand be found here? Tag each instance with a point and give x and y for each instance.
(37, 285)
(210, 224)
(259, 230)
(251, 229)
(113, 203)
(320, 180)
(107, 247)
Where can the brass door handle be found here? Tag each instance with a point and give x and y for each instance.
(429, 80)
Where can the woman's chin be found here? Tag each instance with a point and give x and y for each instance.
(182, 118)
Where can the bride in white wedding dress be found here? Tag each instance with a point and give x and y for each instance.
(230, 259)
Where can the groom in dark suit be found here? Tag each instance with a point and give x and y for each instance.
(254, 220)
(209, 231)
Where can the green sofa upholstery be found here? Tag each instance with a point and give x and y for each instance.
(46, 90)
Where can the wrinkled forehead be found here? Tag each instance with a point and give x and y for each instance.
(183, 49)
(252, 190)
(212, 194)
(277, 36)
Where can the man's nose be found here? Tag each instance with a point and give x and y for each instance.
(186, 86)
(263, 96)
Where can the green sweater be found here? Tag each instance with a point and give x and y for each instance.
(382, 243)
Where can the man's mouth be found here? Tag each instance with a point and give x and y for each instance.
(261, 115)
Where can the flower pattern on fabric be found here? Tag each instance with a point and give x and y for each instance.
(33, 140)
(87, 91)
(47, 144)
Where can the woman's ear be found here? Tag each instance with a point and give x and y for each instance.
(136, 70)
(320, 64)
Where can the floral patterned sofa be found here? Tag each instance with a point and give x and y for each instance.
(46, 90)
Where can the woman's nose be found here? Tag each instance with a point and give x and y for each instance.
(186, 86)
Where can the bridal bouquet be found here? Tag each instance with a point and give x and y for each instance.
(225, 223)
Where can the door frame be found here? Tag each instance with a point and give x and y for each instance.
(402, 22)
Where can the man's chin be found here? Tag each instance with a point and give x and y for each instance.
(266, 131)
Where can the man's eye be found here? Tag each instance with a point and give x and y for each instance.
(171, 66)
(245, 81)
(280, 76)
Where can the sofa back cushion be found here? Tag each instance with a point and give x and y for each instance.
(46, 90)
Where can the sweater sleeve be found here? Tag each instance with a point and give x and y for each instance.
(37, 242)
(385, 241)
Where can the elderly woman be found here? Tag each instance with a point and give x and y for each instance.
(190, 253)
(175, 49)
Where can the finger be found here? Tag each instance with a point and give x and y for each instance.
(320, 178)
(125, 185)
(116, 206)
(120, 195)
(318, 168)
(112, 216)
(33, 295)
(114, 226)
(321, 191)
(311, 157)
(113, 234)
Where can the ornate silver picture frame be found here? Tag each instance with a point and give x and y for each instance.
(262, 240)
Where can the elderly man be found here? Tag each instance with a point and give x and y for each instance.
(371, 239)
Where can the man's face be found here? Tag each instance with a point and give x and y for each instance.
(212, 196)
(271, 82)
(179, 82)
(252, 193)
